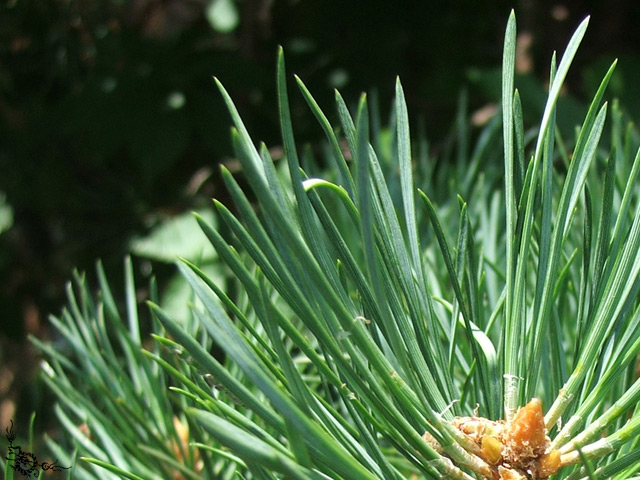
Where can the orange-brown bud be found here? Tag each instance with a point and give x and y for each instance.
(526, 434)
(549, 463)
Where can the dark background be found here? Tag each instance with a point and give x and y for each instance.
(110, 120)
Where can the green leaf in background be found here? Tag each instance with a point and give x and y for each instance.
(178, 236)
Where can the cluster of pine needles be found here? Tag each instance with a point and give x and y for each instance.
(378, 318)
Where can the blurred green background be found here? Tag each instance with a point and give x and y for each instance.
(110, 122)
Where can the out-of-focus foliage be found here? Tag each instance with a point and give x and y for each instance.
(108, 114)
